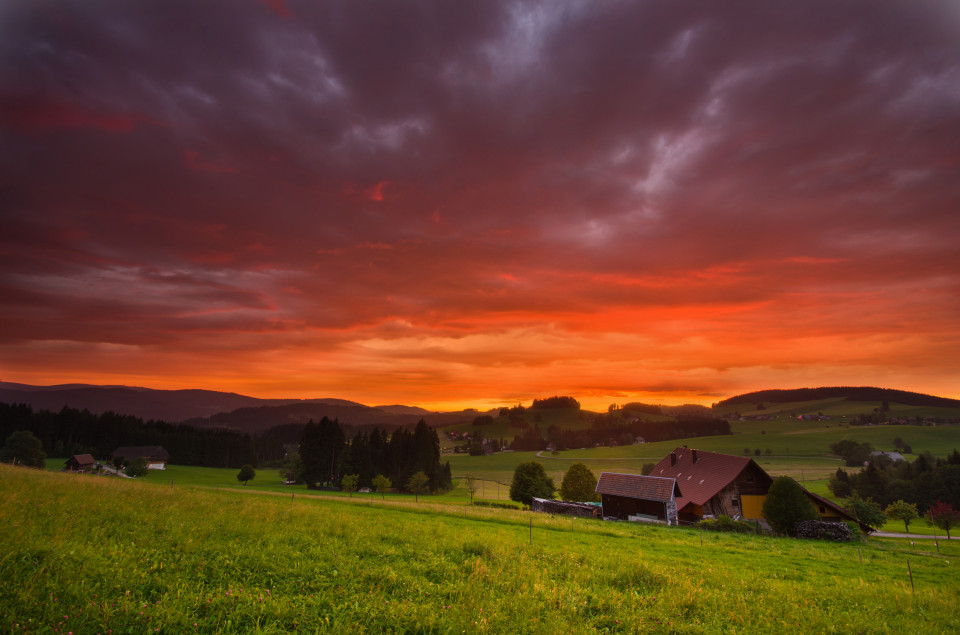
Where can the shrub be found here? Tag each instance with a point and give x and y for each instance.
(786, 505)
(498, 505)
(726, 524)
(824, 530)
(579, 484)
(530, 481)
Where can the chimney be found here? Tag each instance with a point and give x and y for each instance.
(693, 455)
(673, 459)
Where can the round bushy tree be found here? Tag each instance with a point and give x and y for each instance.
(786, 505)
(944, 516)
(137, 467)
(23, 448)
(418, 484)
(579, 484)
(530, 481)
(867, 512)
(381, 483)
(246, 474)
(899, 510)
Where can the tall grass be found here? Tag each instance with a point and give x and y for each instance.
(85, 555)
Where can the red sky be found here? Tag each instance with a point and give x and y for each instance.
(476, 203)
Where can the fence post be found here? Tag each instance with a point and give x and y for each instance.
(531, 529)
(913, 590)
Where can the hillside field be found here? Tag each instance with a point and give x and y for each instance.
(90, 554)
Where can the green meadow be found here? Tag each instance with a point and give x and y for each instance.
(86, 554)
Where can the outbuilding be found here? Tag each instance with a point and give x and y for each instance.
(157, 457)
(638, 498)
(80, 463)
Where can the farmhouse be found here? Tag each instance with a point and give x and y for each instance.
(715, 484)
(80, 463)
(638, 498)
(157, 457)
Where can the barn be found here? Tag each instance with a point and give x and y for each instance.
(80, 463)
(715, 484)
(638, 498)
(157, 457)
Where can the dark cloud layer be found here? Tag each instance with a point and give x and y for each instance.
(634, 194)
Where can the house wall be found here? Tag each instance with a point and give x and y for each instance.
(752, 506)
(621, 507)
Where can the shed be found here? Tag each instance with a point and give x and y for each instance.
(157, 457)
(639, 498)
(80, 463)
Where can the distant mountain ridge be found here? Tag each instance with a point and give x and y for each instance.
(208, 408)
(850, 393)
(172, 406)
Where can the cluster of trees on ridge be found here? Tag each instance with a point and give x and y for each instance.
(604, 431)
(326, 457)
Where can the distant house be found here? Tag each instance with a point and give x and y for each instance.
(893, 456)
(157, 457)
(638, 498)
(80, 463)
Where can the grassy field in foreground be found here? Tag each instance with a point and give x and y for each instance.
(87, 555)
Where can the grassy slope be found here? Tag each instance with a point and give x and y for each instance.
(87, 554)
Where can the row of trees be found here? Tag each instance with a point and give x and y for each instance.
(530, 481)
(922, 482)
(607, 431)
(326, 457)
(71, 431)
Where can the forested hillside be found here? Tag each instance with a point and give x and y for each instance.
(861, 393)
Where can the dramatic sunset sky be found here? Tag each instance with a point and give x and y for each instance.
(475, 203)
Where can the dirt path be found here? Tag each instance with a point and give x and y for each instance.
(884, 534)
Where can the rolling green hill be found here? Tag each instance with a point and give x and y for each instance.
(86, 554)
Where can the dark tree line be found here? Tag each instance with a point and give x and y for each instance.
(606, 431)
(71, 431)
(555, 402)
(326, 455)
(922, 482)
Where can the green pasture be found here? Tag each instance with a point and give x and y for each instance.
(85, 555)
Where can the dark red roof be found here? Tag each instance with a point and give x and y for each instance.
(701, 480)
(83, 459)
(651, 488)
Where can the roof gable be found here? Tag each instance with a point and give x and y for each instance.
(701, 475)
(636, 486)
